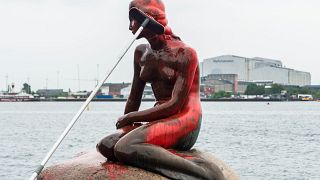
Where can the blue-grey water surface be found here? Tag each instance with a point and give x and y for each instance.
(259, 141)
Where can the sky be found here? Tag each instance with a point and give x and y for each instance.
(50, 43)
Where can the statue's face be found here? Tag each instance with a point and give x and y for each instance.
(133, 26)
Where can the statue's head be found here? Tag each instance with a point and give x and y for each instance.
(153, 8)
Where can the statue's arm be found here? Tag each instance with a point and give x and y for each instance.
(134, 99)
(187, 68)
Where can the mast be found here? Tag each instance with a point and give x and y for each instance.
(58, 74)
(97, 74)
(78, 77)
(7, 85)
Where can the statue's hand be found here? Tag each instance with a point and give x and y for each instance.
(123, 121)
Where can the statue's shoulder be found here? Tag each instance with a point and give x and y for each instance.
(182, 47)
(139, 51)
(142, 48)
(187, 52)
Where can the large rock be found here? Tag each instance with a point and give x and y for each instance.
(92, 165)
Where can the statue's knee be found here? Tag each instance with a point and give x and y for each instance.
(123, 151)
(106, 146)
(128, 147)
(119, 151)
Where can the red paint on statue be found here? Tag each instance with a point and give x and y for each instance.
(167, 133)
(171, 67)
(181, 154)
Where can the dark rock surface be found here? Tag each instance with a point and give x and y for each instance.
(92, 165)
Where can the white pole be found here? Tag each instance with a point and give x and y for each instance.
(97, 75)
(78, 68)
(7, 85)
(76, 117)
(58, 75)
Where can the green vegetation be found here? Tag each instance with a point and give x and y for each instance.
(303, 90)
(317, 95)
(221, 94)
(63, 94)
(276, 89)
(253, 89)
(26, 88)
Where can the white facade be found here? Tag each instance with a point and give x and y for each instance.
(125, 91)
(254, 69)
(147, 93)
(104, 90)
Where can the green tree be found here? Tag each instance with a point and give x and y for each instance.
(253, 89)
(317, 94)
(276, 89)
(292, 90)
(221, 94)
(26, 88)
(304, 90)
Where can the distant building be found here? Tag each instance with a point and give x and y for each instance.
(113, 89)
(125, 92)
(314, 87)
(242, 85)
(80, 94)
(220, 82)
(206, 90)
(147, 93)
(254, 69)
(50, 92)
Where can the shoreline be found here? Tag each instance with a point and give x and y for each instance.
(153, 100)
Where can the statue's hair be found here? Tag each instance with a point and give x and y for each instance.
(155, 9)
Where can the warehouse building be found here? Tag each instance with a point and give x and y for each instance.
(254, 69)
(220, 82)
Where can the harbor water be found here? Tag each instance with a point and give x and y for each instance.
(280, 140)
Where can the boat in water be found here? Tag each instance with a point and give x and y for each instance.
(15, 97)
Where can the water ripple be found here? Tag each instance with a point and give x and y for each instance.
(278, 141)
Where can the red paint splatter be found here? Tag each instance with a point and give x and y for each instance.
(115, 170)
(168, 132)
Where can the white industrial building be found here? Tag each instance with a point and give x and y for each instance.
(254, 69)
(147, 92)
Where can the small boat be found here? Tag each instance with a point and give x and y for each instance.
(15, 97)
